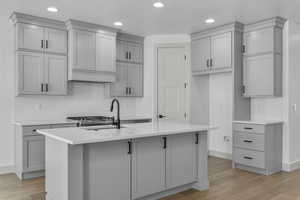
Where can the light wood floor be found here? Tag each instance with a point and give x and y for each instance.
(225, 184)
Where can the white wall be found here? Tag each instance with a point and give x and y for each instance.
(294, 92)
(6, 88)
(220, 112)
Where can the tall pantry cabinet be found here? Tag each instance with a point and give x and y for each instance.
(41, 55)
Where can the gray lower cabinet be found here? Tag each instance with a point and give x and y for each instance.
(34, 153)
(257, 147)
(148, 157)
(107, 171)
(181, 160)
(161, 163)
(30, 150)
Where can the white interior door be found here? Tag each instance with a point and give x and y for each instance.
(171, 83)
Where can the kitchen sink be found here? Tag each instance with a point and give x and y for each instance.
(98, 128)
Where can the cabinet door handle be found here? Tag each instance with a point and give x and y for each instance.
(42, 44)
(248, 141)
(129, 90)
(207, 63)
(46, 44)
(165, 142)
(197, 138)
(248, 128)
(243, 49)
(211, 62)
(129, 147)
(42, 87)
(248, 158)
(47, 88)
(129, 55)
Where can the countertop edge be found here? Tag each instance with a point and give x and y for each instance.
(158, 134)
(258, 122)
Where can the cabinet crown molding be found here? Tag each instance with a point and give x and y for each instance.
(130, 37)
(17, 17)
(234, 26)
(86, 26)
(272, 22)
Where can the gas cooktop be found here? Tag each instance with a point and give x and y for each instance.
(92, 120)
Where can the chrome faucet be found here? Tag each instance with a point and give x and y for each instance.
(118, 122)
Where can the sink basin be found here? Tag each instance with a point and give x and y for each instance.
(98, 128)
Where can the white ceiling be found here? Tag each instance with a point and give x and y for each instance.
(178, 16)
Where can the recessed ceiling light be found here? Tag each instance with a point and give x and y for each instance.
(210, 21)
(118, 23)
(52, 9)
(158, 4)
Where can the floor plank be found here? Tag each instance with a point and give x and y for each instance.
(225, 184)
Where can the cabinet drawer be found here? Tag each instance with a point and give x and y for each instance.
(250, 128)
(249, 158)
(31, 130)
(249, 141)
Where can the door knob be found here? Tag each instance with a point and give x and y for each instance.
(161, 116)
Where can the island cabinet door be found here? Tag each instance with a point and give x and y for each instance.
(181, 160)
(107, 171)
(148, 166)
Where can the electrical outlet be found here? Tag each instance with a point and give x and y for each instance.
(227, 138)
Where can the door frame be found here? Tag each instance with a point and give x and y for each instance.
(187, 65)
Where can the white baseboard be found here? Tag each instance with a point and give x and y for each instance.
(219, 154)
(289, 167)
(7, 169)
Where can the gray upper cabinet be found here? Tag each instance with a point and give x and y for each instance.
(211, 52)
(92, 52)
(105, 53)
(55, 74)
(262, 58)
(30, 37)
(129, 78)
(129, 51)
(148, 166)
(84, 53)
(56, 41)
(41, 55)
(37, 38)
(221, 51)
(200, 54)
(30, 70)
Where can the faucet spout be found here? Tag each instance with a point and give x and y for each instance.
(117, 123)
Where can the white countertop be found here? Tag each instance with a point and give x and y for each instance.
(259, 122)
(43, 122)
(130, 131)
(65, 121)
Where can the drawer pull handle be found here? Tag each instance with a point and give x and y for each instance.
(248, 128)
(248, 158)
(34, 130)
(248, 141)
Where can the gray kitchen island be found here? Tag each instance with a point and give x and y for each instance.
(139, 161)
